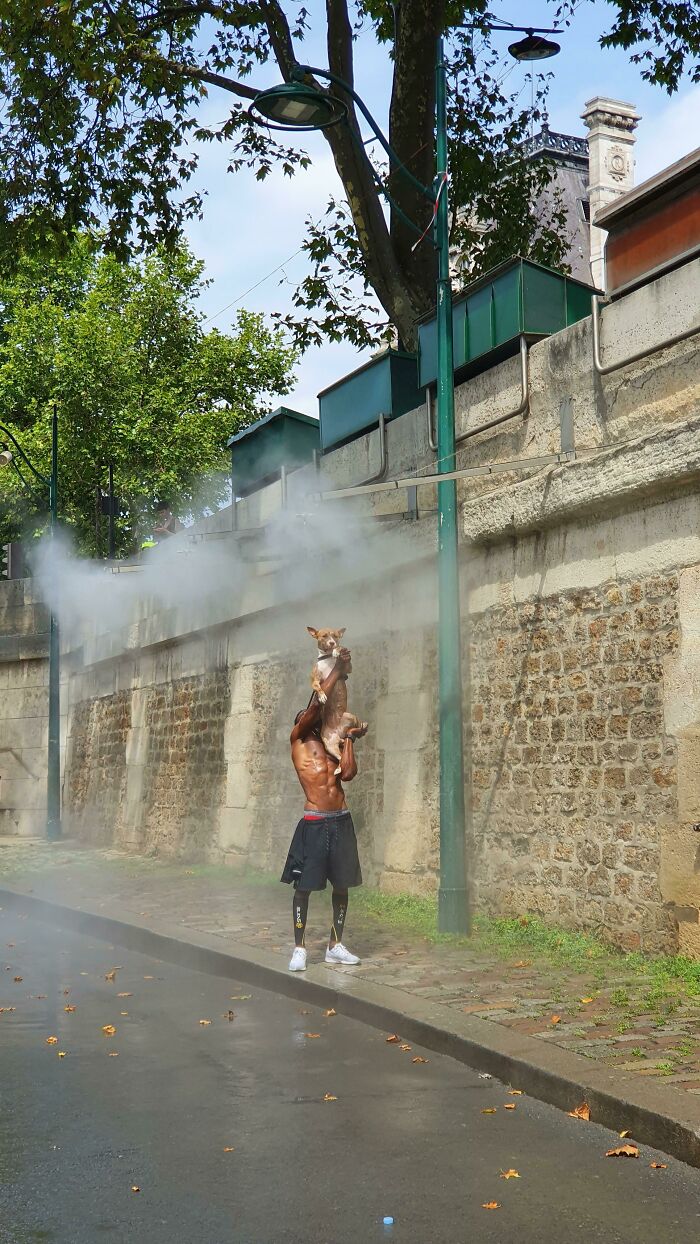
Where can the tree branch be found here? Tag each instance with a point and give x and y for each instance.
(280, 37)
(199, 74)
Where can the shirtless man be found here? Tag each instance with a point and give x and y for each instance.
(324, 845)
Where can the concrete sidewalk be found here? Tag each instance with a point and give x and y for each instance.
(559, 1034)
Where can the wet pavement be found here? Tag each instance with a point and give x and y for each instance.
(224, 1128)
(602, 1011)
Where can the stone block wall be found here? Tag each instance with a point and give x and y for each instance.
(24, 705)
(574, 773)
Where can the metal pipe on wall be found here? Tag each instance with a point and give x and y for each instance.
(605, 369)
(520, 409)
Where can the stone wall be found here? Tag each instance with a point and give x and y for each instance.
(574, 775)
(24, 705)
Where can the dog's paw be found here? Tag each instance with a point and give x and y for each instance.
(322, 697)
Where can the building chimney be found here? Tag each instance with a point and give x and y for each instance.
(610, 165)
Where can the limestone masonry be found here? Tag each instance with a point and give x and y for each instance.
(581, 613)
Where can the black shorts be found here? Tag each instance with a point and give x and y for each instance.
(324, 848)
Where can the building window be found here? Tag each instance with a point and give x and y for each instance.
(584, 208)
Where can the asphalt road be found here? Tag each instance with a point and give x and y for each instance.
(403, 1139)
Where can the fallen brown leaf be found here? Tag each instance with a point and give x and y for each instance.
(585, 1001)
(229, 1148)
(243, 997)
(205, 1023)
(581, 1112)
(61, 1053)
(405, 1047)
(149, 978)
(69, 1009)
(229, 1015)
(515, 1092)
(523, 963)
(393, 1038)
(305, 1012)
(511, 1174)
(623, 1151)
(625, 1133)
(418, 1059)
(556, 1019)
(329, 1097)
(38, 997)
(329, 1012)
(490, 1205)
(52, 1040)
(7, 1008)
(114, 1054)
(17, 979)
(111, 976)
(509, 1105)
(109, 1030)
(123, 1012)
(312, 1035)
(135, 1188)
(125, 995)
(489, 1110)
(659, 1166)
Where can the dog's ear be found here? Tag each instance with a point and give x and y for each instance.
(341, 632)
(312, 632)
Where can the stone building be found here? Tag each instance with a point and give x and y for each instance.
(580, 577)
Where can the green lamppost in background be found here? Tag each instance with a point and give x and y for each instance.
(50, 483)
(300, 105)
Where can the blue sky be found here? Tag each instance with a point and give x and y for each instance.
(249, 228)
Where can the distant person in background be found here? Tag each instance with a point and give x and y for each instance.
(166, 522)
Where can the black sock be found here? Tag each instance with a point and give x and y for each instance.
(300, 907)
(340, 911)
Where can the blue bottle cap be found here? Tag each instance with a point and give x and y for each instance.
(387, 1221)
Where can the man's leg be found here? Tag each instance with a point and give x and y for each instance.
(340, 911)
(300, 908)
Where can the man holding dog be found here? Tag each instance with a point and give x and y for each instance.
(324, 847)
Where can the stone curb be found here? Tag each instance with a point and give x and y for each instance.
(664, 1118)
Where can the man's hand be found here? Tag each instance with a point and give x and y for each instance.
(344, 662)
(358, 732)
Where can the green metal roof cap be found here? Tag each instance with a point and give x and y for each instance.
(282, 412)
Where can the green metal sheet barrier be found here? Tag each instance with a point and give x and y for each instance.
(518, 297)
(283, 438)
(386, 385)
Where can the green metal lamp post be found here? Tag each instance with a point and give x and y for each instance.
(299, 106)
(50, 482)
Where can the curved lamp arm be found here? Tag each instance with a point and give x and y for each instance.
(44, 479)
(298, 74)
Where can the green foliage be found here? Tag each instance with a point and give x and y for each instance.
(102, 102)
(122, 349)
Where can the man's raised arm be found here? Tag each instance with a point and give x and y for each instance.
(311, 715)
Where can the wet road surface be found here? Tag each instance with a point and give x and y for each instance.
(403, 1139)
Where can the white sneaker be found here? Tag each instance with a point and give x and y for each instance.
(297, 963)
(338, 954)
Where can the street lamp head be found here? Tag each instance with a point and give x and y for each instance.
(5, 457)
(296, 106)
(534, 47)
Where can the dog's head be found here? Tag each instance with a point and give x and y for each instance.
(328, 641)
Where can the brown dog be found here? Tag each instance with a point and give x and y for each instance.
(336, 718)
